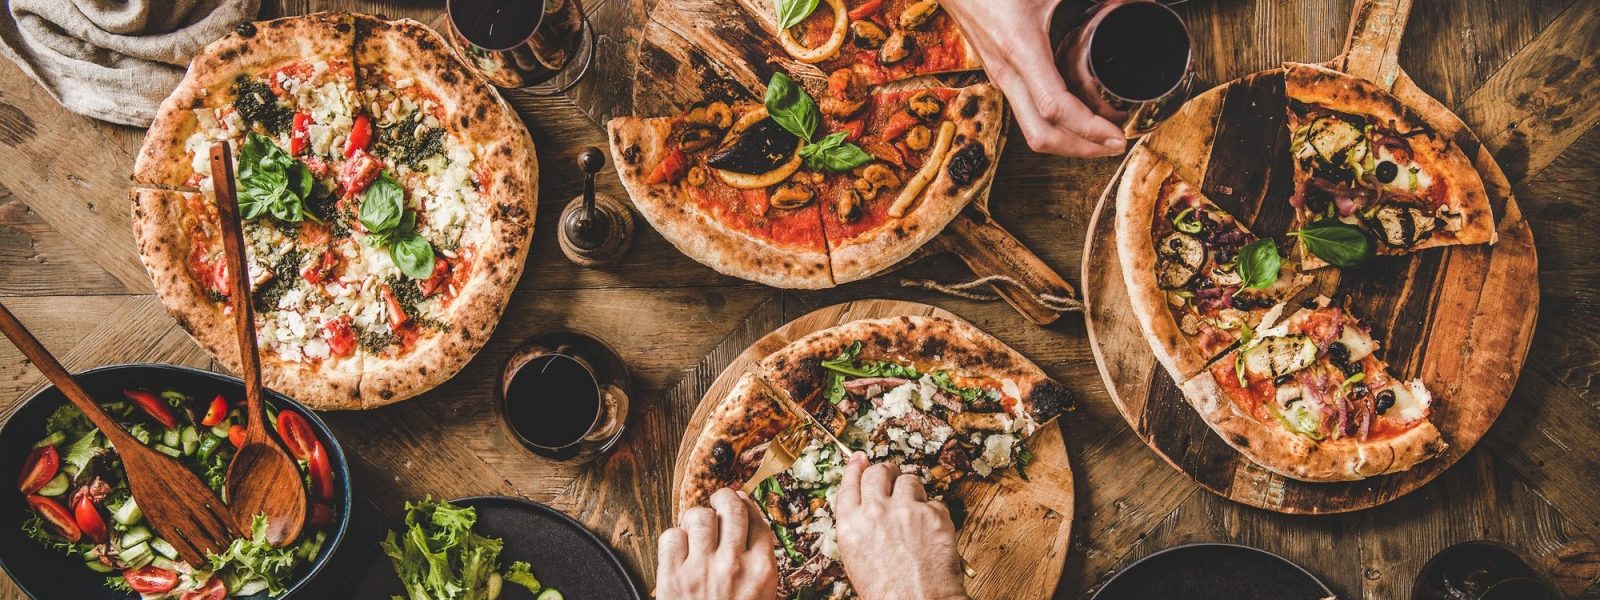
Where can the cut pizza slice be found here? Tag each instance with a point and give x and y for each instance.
(884, 40)
(1197, 278)
(934, 395)
(1365, 159)
(798, 505)
(1308, 397)
(734, 442)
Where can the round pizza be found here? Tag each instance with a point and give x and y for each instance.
(387, 196)
(798, 193)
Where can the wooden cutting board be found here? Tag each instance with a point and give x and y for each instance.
(1015, 532)
(1460, 318)
(699, 50)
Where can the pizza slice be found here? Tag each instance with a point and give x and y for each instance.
(936, 396)
(1307, 397)
(1364, 159)
(1198, 279)
(882, 40)
(734, 441)
(798, 505)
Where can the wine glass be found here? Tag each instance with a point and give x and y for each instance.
(1129, 62)
(564, 395)
(545, 46)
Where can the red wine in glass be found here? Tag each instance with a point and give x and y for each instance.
(1129, 62)
(523, 43)
(565, 396)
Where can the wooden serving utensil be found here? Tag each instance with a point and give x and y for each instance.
(262, 479)
(180, 507)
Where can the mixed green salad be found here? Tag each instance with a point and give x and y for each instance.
(438, 557)
(78, 494)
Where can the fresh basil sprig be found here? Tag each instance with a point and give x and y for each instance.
(388, 223)
(1340, 244)
(271, 182)
(791, 107)
(792, 12)
(834, 154)
(1259, 263)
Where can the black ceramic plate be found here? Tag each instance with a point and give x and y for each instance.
(564, 554)
(50, 575)
(1213, 572)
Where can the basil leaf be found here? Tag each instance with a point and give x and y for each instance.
(1259, 263)
(791, 107)
(414, 255)
(1340, 244)
(382, 205)
(270, 181)
(834, 154)
(792, 12)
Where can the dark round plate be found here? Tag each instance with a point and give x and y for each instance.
(45, 574)
(1213, 572)
(564, 554)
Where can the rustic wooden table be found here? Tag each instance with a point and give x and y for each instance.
(1524, 75)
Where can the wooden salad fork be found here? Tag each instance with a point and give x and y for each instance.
(262, 479)
(183, 511)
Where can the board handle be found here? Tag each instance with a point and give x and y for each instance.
(1372, 47)
(989, 250)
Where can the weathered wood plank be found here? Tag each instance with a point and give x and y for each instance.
(41, 262)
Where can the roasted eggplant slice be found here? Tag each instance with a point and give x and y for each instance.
(1275, 357)
(1400, 225)
(762, 147)
(1178, 257)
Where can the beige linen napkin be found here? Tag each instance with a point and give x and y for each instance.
(114, 60)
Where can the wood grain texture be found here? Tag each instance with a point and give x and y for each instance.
(1015, 532)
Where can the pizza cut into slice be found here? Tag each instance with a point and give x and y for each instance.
(1308, 397)
(1197, 278)
(883, 40)
(735, 440)
(934, 395)
(1365, 159)
(797, 504)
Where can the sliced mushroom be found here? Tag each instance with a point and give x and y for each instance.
(1225, 277)
(1275, 357)
(868, 34)
(918, 14)
(791, 196)
(880, 176)
(918, 137)
(714, 115)
(848, 208)
(1178, 259)
(925, 106)
(1402, 226)
(896, 48)
(696, 176)
(848, 91)
(695, 139)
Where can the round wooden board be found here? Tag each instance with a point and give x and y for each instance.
(1015, 533)
(1461, 318)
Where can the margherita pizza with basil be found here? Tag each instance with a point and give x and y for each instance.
(387, 196)
(795, 194)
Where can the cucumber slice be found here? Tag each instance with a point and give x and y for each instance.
(208, 446)
(190, 440)
(221, 429)
(162, 562)
(136, 553)
(170, 437)
(551, 594)
(54, 439)
(97, 566)
(136, 536)
(168, 450)
(250, 588)
(128, 513)
(308, 548)
(57, 486)
(163, 548)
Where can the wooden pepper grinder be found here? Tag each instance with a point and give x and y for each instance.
(596, 229)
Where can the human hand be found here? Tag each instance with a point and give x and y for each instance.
(1013, 39)
(893, 541)
(718, 553)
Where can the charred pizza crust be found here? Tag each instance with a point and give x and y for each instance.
(734, 440)
(1136, 202)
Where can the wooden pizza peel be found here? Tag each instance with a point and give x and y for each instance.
(1461, 318)
(1014, 534)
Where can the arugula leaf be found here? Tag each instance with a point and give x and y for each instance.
(791, 107)
(1340, 244)
(834, 154)
(967, 395)
(787, 539)
(1259, 263)
(414, 255)
(792, 12)
(271, 181)
(382, 205)
(521, 573)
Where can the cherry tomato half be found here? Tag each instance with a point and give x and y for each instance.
(88, 518)
(214, 589)
(321, 472)
(56, 517)
(296, 434)
(217, 412)
(154, 406)
(236, 435)
(360, 136)
(299, 137)
(38, 469)
(151, 580)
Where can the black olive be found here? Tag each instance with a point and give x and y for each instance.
(1385, 400)
(1386, 171)
(246, 29)
(721, 456)
(1339, 353)
(1243, 302)
(1358, 389)
(1282, 379)
(968, 164)
(756, 150)
(1224, 257)
(1351, 368)
(1308, 303)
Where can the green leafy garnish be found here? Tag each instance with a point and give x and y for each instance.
(521, 573)
(439, 556)
(791, 107)
(1187, 221)
(787, 539)
(34, 528)
(792, 12)
(271, 182)
(414, 255)
(1340, 244)
(69, 420)
(1259, 263)
(254, 559)
(834, 154)
(968, 395)
(383, 204)
(388, 223)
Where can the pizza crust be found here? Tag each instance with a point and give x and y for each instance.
(163, 161)
(750, 415)
(872, 251)
(636, 145)
(1299, 457)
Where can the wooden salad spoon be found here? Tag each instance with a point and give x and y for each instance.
(183, 511)
(262, 479)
